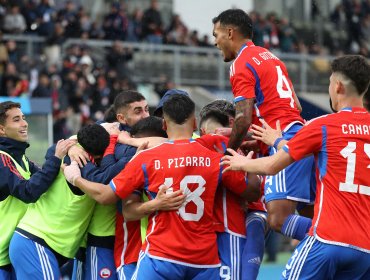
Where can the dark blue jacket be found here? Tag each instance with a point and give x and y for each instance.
(12, 183)
(104, 173)
(122, 150)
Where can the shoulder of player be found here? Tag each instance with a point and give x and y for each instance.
(212, 136)
(319, 120)
(147, 153)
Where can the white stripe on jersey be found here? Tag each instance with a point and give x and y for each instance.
(125, 240)
(224, 208)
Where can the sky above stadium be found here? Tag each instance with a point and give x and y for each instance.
(198, 14)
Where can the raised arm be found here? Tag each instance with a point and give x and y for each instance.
(30, 190)
(123, 138)
(243, 119)
(263, 166)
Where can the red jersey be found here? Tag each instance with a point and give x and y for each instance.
(219, 144)
(257, 73)
(127, 243)
(341, 145)
(229, 208)
(185, 236)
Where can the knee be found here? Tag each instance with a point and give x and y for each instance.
(275, 221)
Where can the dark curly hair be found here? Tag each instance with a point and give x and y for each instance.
(94, 139)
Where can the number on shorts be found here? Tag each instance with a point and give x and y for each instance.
(225, 273)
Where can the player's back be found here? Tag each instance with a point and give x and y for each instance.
(187, 235)
(257, 69)
(343, 211)
(229, 213)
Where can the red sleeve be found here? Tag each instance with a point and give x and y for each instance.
(128, 180)
(234, 181)
(213, 142)
(112, 144)
(243, 84)
(307, 141)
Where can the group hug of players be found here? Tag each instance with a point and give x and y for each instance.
(148, 199)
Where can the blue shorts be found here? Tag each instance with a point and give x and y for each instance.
(31, 260)
(99, 263)
(313, 259)
(154, 269)
(7, 274)
(78, 272)
(126, 271)
(230, 251)
(296, 182)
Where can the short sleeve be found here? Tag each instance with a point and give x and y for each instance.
(129, 179)
(213, 142)
(307, 141)
(243, 85)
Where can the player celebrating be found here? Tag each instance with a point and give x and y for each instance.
(240, 240)
(190, 249)
(263, 90)
(338, 243)
(22, 181)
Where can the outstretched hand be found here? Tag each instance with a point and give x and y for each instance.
(266, 134)
(235, 161)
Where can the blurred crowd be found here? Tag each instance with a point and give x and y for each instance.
(82, 89)
(39, 17)
(353, 17)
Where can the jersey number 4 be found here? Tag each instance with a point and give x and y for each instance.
(349, 186)
(283, 87)
(191, 196)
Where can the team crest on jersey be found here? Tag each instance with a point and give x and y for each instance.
(105, 273)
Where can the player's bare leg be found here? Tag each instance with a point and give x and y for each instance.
(281, 218)
(307, 211)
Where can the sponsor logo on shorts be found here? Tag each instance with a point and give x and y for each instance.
(256, 260)
(105, 273)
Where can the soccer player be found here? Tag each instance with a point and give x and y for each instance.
(338, 243)
(240, 237)
(262, 90)
(129, 230)
(22, 182)
(190, 249)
